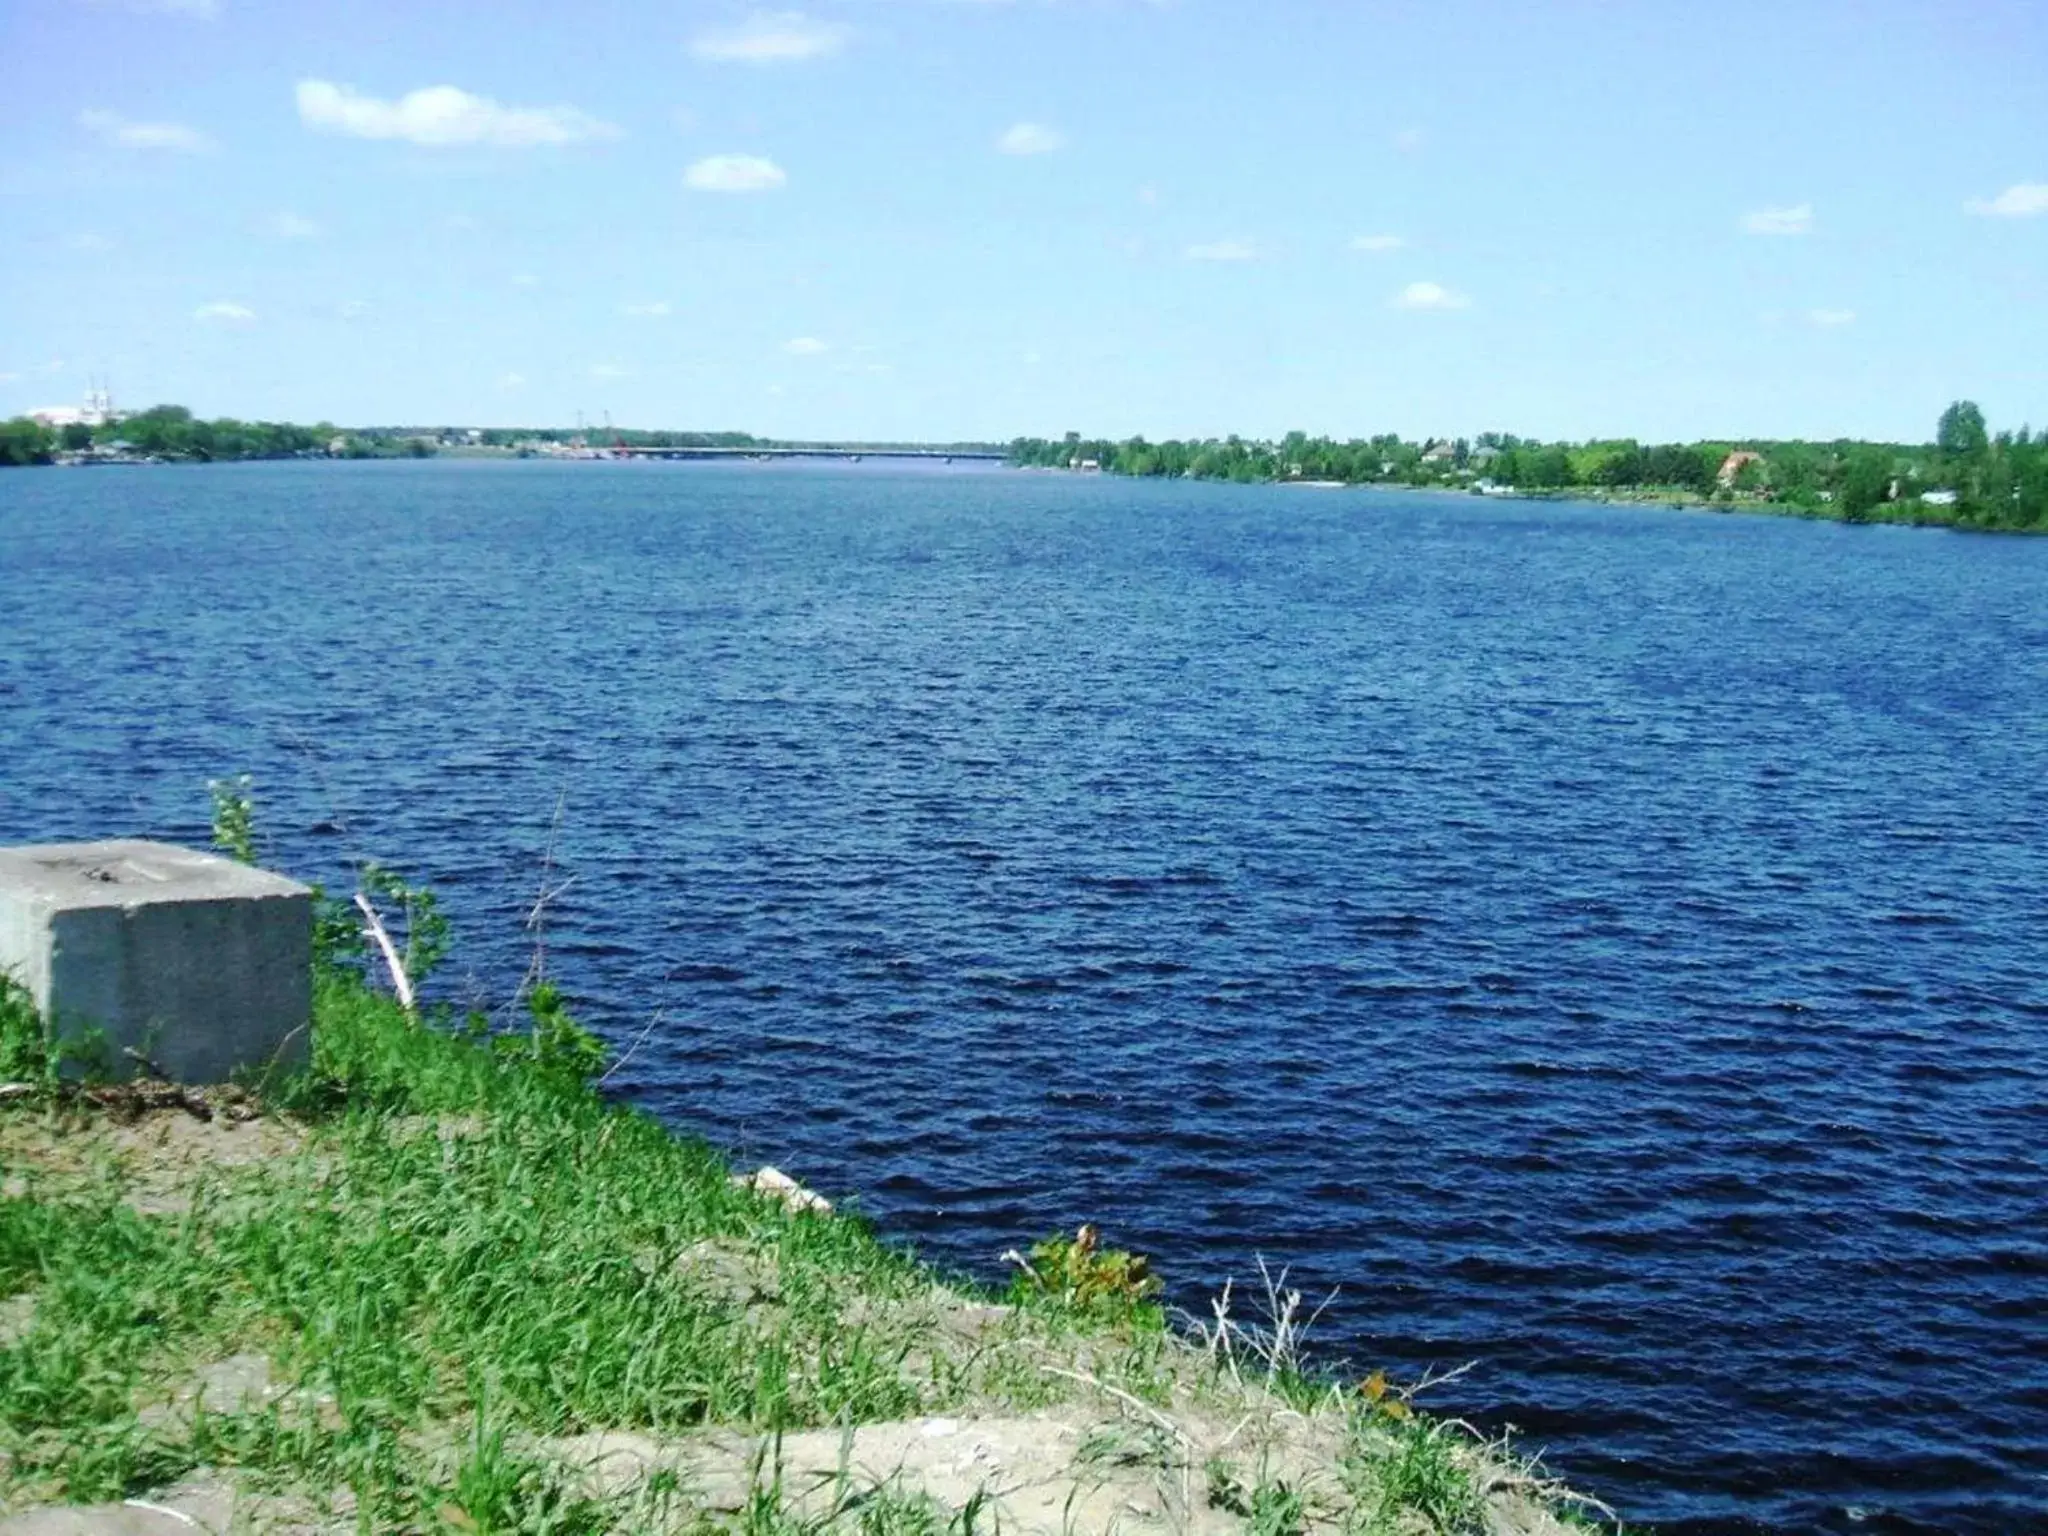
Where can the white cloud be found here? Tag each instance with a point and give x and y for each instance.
(805, 346)
(2021, 200)
(118, 131)
(608, 371)
(1430, 296)
(770, 37)
(659, 309)
(1148, 196)
(353, 309)
(221, 312)
(1030, 139)
(10, 378)
(440, 116)
(291, 226)
(89, 243)
(1377, 243)
(1831, 316)
(734, 173)
(1409, 140)
(197, 10)
(1225, 250)
(524, 280)
(1796, 220)
(512, 381)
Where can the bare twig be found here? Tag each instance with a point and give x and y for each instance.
(537, 914)
(638, 1040)
(1274, 1346)
(1433, 1378)
(132, 1100)
(381, 937)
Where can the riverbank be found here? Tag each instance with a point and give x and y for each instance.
(438, 1282)
(1908, 514)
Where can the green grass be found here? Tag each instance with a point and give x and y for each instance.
(468, 1225)
(1413, 1467)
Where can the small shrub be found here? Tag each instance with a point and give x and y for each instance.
(557, 1043)
(1077, 1273)
(27, 1052)
(234, 817)
(34, 1053)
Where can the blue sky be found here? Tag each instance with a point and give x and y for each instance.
(972, 218)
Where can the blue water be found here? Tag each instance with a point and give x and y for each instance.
(1608, 944)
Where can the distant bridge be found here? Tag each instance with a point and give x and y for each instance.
(944, 455)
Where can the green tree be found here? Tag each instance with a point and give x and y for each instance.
(24, 441)
(1548, 468)
(1866, 482)
(1961, 432)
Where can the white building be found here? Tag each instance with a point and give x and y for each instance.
(98, 411)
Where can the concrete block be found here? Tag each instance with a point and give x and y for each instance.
(200, 963)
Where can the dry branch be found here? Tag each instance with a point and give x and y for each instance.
(377, 934)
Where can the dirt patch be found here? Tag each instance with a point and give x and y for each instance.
(239, 1384)
(730, 1272)
(17, 1316)
(204, 1504)
(1075, 1468)
(1025, 1471)
(167, 1153)
(155, 1153)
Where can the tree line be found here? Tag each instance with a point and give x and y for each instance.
(173, 432)
(1967, 476)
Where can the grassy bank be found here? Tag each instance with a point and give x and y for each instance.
(437, 1282)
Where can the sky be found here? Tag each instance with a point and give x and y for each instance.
(975, 219)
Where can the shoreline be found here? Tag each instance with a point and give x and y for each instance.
(545, 1306)
(1684, 501)
(1591, 496)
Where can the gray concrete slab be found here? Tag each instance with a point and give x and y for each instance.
(200, 964)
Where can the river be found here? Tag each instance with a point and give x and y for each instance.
(1603, 944)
